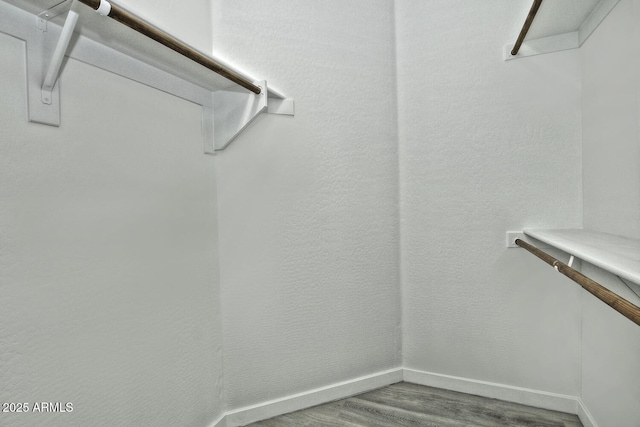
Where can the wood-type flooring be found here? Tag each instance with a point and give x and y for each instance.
(406, 404)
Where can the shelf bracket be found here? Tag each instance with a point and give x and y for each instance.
(42, 76)
(45, 16)
(634, 288)
(229, 113)
(51, 77)
(283, 107)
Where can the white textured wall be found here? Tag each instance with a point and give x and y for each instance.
(108, 277)
(611, 125)
(486, 146)
(308, 205)
(610, 353)
(611, 150)
(108, 238)
(189, 21)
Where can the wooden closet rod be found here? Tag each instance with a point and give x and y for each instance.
(615, 301)
(527, 24)
(135, 23)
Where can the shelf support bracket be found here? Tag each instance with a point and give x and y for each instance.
(229, 113)
(45, 16)
(51, 77)
(43, 68)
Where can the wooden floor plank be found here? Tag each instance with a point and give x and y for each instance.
(386, 415)
(465, 408)
(478, 400)
(327, 415)
(409, 405)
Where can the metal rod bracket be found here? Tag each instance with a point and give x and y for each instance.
(104, 9)
(511, 238)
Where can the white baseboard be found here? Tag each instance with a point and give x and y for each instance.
(585, 416)
(523, 396)
(296, 402)
(220, 422)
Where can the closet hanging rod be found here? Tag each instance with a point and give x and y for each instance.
(117, 13)
(527, 24)
(615, 301)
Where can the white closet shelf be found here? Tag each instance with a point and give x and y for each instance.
(561, 25)
(615, 254)
(49, 29)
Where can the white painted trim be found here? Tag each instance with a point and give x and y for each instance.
(564, 41)
(594, 19)
(220, 422)
(44, 105)
(311, 398)
(585, 416)
(342, 390)
(544, 45)
(523, 396)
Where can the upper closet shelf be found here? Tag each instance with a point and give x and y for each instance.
(618, 255)
(552, 26)
(118, 41)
